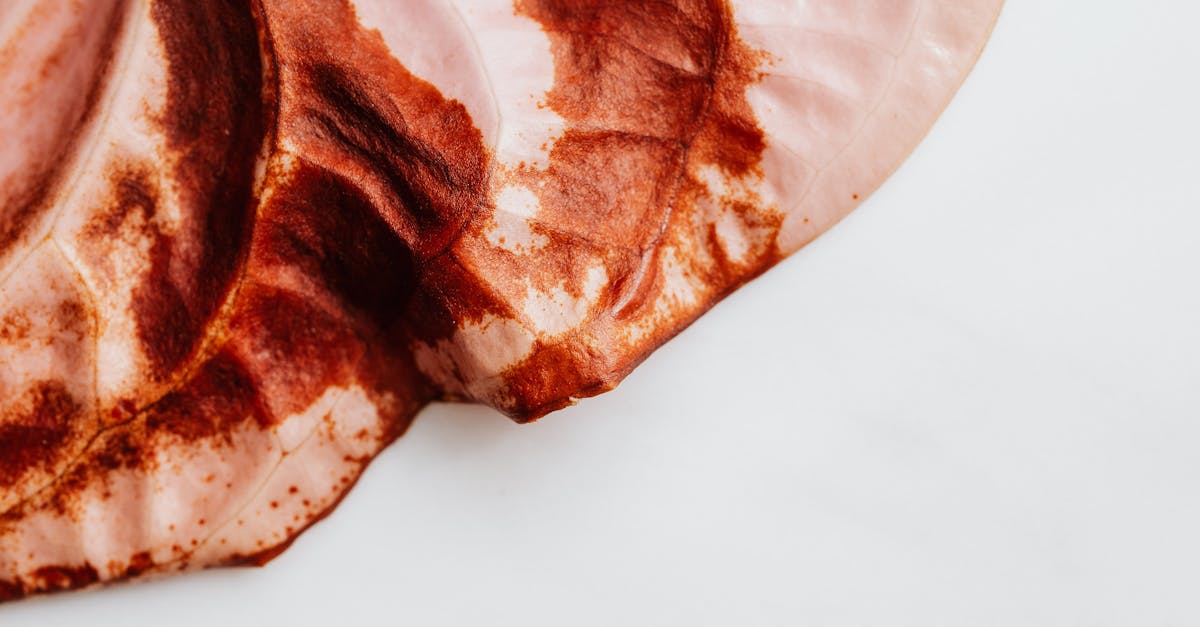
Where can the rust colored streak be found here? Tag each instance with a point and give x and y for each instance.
(218, 398)
(350, 257)
(49, 579)
(356, 253)
(134, 195)
(292, 348)
(215, 122)
(357, 111)
(35, 433)
(652, 93)
(647, 89)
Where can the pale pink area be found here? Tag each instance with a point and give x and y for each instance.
(46, 345)
(205, 503)
(167, 511)
(308, 481)
(42, 118)
(432, 40)
(518, 70)
(112, 264)
(944, 42)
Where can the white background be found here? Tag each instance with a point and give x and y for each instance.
(975, 402)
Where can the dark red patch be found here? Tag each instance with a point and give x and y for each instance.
(218, 398)
(11, 590)
(356, 253)
(292, 348)
(215, 123)
(118, 449)
(358, 112)
(323, 231)
(65, 577)
(138, 564)
(651, 92)
(35, 431)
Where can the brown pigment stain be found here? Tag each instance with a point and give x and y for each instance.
(138, 564)
(35, 431)
(214, 123)
(218, 398)
(65, 578)
(651, 94)
(360, 113)
(355, 256)
(291, 348)
(351, 258)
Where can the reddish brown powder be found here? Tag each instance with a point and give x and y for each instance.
(35, 431)
(361, 250)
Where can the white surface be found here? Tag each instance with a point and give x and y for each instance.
(975, 402)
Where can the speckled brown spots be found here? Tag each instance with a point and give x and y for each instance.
(218, 398)
(118, 449)
(368, 242)
(15, 327)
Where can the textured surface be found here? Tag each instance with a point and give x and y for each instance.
(250, 258)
